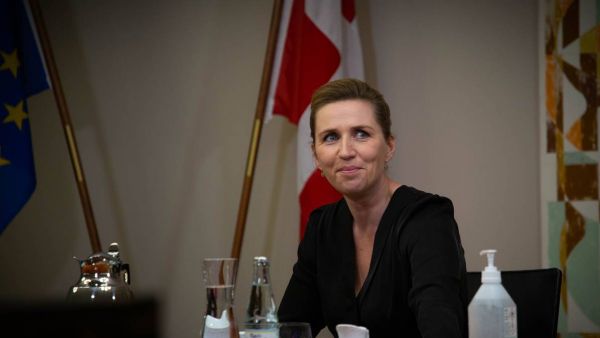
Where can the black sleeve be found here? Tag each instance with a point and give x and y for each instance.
(301, 301)
(438, 272)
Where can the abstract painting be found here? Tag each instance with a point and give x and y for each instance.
(570, 96)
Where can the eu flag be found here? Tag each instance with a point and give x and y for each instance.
(22, 74)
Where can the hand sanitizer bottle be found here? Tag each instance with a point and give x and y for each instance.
(492, 313)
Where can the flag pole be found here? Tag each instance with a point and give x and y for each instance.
(67, 125)
(256, 130)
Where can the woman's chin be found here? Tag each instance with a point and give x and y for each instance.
(351, 190)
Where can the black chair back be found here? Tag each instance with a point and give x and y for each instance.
(537, 296)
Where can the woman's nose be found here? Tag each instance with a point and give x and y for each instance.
(346, 148)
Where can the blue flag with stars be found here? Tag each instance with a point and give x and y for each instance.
(22, 74)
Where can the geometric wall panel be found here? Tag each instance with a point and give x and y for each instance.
(570, 73)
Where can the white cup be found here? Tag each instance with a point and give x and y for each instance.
(351, 331)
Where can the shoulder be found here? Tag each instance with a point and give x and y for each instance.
(426, 212)
(327, 212)
(322, 217)
(418, 202)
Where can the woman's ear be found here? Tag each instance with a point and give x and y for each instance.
(391, 143)
(314, 156)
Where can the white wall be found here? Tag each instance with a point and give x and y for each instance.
(162, 96)
(461, 78)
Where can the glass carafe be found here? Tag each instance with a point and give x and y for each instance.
(219, 280)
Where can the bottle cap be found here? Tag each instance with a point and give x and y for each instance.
(490, 274)
(261, 260)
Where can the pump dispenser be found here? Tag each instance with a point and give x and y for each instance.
(490, 274)
(492, 312)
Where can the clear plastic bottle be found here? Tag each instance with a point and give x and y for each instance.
(492, 312)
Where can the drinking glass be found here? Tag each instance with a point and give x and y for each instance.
(219, 279)
(275, 330)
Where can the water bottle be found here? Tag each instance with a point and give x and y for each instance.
(492, 312)
(261, 314)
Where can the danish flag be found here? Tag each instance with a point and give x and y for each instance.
(318, 42)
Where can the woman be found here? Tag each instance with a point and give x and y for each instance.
(386, 256)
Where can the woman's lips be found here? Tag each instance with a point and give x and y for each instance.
(348, 169)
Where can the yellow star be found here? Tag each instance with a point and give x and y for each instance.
(11, 62)
(16, 114)
(4, 161)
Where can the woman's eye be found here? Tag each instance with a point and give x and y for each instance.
(330, 138)
(361, 134)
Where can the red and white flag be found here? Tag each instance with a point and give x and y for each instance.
(318, 42)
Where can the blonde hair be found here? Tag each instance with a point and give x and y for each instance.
(350, 89)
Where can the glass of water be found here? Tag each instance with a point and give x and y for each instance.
(275, 330)
(219, 280)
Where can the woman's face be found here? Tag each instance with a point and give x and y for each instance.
(350, 147)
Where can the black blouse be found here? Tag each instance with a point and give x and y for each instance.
(416, 285)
